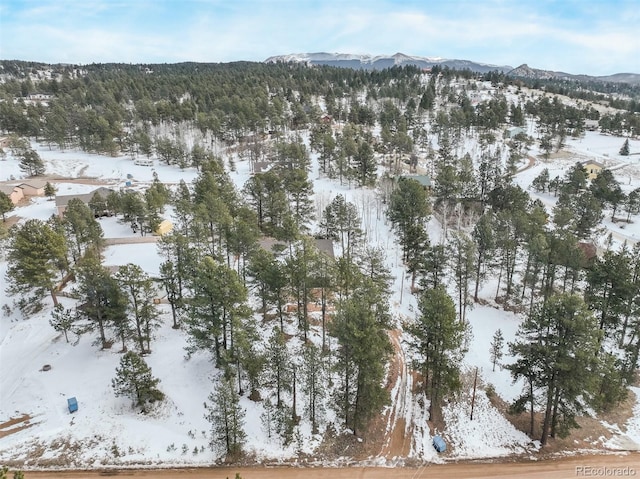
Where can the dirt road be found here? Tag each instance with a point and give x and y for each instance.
(131, 240)
(567, 467)
(397, 442)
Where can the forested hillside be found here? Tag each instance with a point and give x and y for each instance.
(341, 242)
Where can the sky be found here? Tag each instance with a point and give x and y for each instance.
(596, 37)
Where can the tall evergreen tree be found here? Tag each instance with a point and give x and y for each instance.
(103, 301)
(37, 253)
(226, 417)
(82, 229)
(138, 287)
(218, 293)
(408, 211)
(314, 377)
(557, 349)
(31, 163)
(437, 338)
(463, 252)
(361, 357)
(496, 348)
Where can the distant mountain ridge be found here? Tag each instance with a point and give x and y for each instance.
(525, 71)
(379, 62)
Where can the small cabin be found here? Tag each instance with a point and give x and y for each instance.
(439, 444)
(513, 131)
(72, 403)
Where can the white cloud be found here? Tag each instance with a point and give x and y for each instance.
(214, 30)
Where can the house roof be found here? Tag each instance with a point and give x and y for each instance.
(272, 244)
(63, 200)
(7, 189)
(325, 246)
(424, 180)
(36, 184)
(592, 162)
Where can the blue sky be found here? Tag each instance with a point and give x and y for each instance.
(595, 37)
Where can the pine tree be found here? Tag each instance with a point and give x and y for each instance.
(171, 287)
(541, 182)
(484, 237)
(218, 292)
(557, 349)
(495, 350)
(6, 205)
(359, 326)
(278, 373)
(365, 165)
(134, 379)
(314, 378)
(37, 253)
(341, 222)
(63, 320)
(227, 419)
(606, 189)
(624, 151)
(49, 190)
(437, 339)
(31, 163)
(300, 279)
(82, 229)
(463, 252)
(138, 287)
(104, 303)
(408, 212)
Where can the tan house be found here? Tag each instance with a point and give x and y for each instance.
(33, 187)
(63, 200)
(164, 227)
(14, 193)
(592, 167)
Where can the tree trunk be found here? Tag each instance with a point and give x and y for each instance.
(554, 417)
(546, 425)
(54, 297)
(532, 411)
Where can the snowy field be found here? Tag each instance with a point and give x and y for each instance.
(106, 431)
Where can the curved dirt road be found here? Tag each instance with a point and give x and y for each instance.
(567, 467)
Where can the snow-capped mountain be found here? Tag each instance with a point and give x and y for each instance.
(370, 62)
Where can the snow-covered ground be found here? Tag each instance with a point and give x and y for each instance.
(107, 431)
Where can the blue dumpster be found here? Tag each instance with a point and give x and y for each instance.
(73, 404)
(439, 444)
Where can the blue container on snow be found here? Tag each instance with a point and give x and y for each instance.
(73, 404)
(439, 444)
